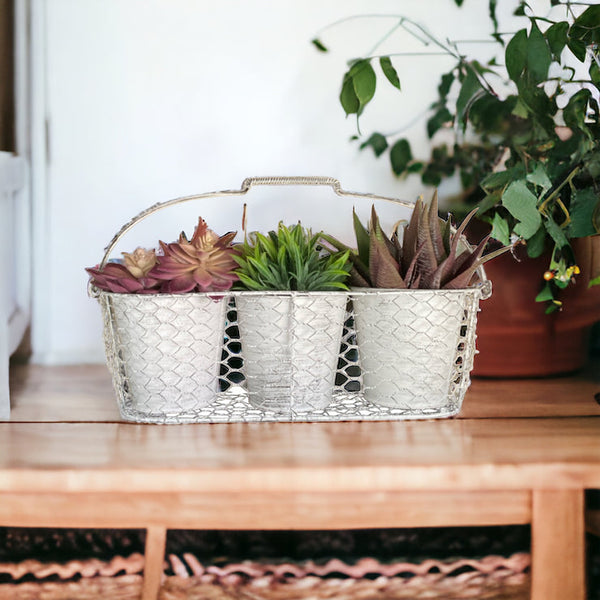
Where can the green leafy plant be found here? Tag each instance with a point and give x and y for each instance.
(529, 157)
(290, 258)
(429, 254)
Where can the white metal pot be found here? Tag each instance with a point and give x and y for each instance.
(416, 348)
(291, 343)
(164, 352)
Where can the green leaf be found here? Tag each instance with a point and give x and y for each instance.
(364, 81)
(557, 38)
(496, 180)
(436, 122)
(348, 98)
(545, 295)
(595, 73)
(583, 205)
(501, 178)
(490, 201)
(539, 177)
(522, 205)
(318, 44)
(414, 167)
(536, 101)
(575, 112)
(586, 27)
(555, 232)
(358, 86)
(536, 244)
(500, 230)
(589, 18)
(400, 156)
(595, 281)
(520, 109)
(577, 47)
(389, 71)
(458, 2)
(539, 56)
(445, 84)
(431, 177)
(515, 55)
(470, 89)
(520, 10)
(378, 142)
(494, 19)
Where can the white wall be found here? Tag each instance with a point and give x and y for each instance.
(145, 100)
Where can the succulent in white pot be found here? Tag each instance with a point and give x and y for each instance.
(164, 316)
(415, 315)
(290, 318)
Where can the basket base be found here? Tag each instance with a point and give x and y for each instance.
(232, 406)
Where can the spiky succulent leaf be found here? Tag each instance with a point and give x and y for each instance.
(291, 258)
(435, 229)
(427, 261)
(376, 230)
(429, 256)
(409, 244)
(359, 272)
(383, 267)
(362, 239)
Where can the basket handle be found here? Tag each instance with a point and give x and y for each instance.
(330, 181)
(250, 182)
(247, 184)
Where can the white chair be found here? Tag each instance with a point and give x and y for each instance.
(14, 267)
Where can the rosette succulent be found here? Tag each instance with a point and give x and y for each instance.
(202, 264)
(132, 276)
(427, 256)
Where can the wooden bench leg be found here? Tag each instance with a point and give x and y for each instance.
(558, 545)
(156, 541)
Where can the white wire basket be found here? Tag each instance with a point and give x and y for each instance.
(237, 356)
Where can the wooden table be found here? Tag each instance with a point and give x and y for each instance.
(520, 452)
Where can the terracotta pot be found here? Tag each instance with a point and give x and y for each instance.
(515, 338)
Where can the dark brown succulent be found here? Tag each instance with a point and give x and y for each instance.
(429, 255)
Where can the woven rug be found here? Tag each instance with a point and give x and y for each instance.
(491, 578)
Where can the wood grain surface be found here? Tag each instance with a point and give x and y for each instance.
(84, 393)
(522, 451)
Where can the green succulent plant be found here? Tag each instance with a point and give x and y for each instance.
(291, 258)
(429, 254)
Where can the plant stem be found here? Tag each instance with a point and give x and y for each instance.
(566, 213)
(409, 54)
(385, 37)
(555, 193)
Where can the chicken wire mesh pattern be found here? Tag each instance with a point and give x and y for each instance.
(276, 356)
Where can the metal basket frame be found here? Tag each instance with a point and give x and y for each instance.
(228, 401)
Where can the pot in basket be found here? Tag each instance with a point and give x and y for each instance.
(291, 343)
(416, 348)
(164, 351)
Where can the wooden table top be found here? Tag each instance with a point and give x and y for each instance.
(84, 393)
(65, 431)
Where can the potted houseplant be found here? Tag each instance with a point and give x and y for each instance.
(415, 322)
(164, 316)
(526, 146)
(290, 318)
